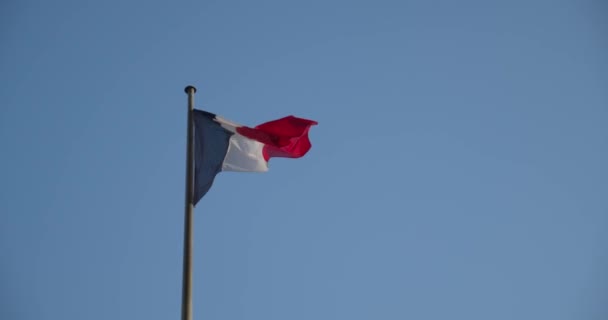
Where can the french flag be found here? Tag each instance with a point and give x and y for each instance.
(222, 145)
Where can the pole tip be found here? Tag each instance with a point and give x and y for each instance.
(190, 88)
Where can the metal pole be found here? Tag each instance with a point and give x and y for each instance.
(187, 272)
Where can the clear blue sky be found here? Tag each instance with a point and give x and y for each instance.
(458, 171)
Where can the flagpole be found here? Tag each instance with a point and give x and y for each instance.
(189, 208)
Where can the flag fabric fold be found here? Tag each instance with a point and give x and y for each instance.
(222, 145)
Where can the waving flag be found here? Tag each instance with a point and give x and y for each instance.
(222, 145)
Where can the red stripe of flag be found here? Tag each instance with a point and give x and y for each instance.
(286, 137)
